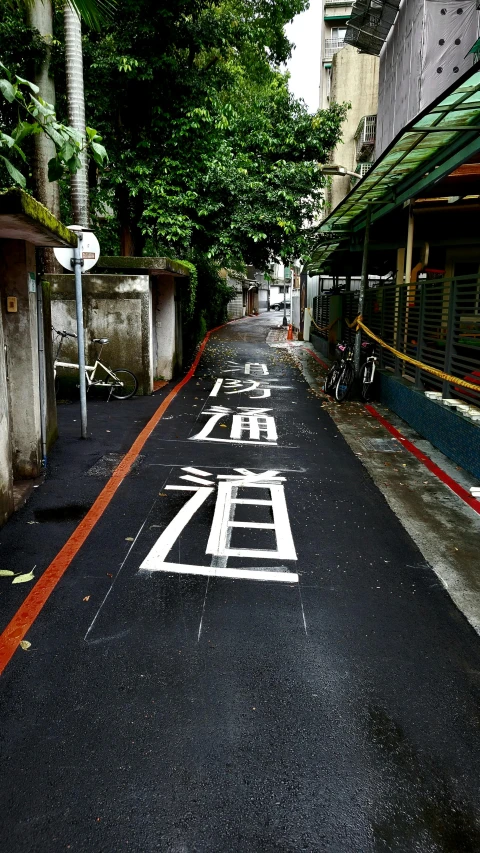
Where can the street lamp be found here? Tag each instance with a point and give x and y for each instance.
(341, 171)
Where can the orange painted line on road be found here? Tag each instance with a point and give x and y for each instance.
(34, 602)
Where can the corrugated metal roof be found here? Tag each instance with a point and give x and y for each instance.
(431, 146)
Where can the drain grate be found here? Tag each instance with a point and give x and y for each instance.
(106, 465)
(382, 445)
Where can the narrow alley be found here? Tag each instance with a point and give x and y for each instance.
(240, 647)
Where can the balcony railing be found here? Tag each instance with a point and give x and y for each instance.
(331, 47)
(365, 137)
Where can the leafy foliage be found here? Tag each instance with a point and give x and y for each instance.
(209, 151)
(68, 142)
(93, 13)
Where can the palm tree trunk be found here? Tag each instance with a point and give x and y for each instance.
(76, 109)
(40, 17)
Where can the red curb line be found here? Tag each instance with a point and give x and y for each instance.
(422, 457)
(25, 616)
(445, 478)
(315, 356)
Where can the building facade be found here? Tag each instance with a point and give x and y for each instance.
(426, 50)
(347, 76)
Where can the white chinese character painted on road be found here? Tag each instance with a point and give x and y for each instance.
(255, 424)
(240, 386)
(224, 523)
(251, 368)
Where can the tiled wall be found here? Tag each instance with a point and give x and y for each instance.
(454, 435)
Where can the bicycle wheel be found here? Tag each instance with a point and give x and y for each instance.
(366, 384)
(331, 378)
(128, 387)
(345, 382)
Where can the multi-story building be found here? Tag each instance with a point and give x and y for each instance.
(348, 76)
(411, 224)
(425, 51)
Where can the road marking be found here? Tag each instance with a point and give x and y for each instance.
(223, 519)
(213, 572)
(198, 480)
(165, 542)
(92, 623)
(26, 615)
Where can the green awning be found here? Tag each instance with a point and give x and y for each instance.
(431, 146)
(320, 255)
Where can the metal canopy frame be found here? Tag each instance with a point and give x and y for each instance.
(432, 145)
(370, 23)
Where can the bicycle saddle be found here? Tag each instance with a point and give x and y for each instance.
(100, 340)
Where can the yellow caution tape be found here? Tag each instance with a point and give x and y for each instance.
(323, 328)
(454, 380)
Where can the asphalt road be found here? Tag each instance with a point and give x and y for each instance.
(197, 682)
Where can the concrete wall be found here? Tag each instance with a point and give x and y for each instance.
(295, 309)
(17, 278)
(235, 306)
(164, 326)
(456, 436)
(354, 79)
(6, 483)
(412, 55)
(51, 416)
(117, 307)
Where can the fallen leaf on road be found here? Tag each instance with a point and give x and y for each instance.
(87, 598)
(224, 426)
(109, 575)
(5, 572)
(162, 494)
(25, 644)
(128, 538)
(25, 578)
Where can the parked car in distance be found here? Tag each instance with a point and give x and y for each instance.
(278, 306)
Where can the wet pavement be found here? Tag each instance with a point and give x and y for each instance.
(247, 653)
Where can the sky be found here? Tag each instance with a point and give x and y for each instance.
(304, 65)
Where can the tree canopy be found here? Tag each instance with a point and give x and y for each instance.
(212, 159)
(209, 151)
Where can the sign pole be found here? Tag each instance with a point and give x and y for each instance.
(77, 262)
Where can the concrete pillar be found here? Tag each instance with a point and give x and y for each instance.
(52, 426)
(164, 306)
(6, 480)
(17, 279)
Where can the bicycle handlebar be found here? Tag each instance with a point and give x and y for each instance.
(64, 334)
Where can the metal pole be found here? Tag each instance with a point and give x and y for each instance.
(408, 254)
(77, 265)
(284, 304)
(363, 287)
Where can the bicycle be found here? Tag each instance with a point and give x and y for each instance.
(122, 384)
(367, 371)
(341, 375)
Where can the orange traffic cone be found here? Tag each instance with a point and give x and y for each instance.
(290, 333)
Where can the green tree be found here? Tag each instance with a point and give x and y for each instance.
(39, 15)
(36, 117)
(179, 87)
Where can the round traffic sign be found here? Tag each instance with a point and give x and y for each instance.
(90, 248)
